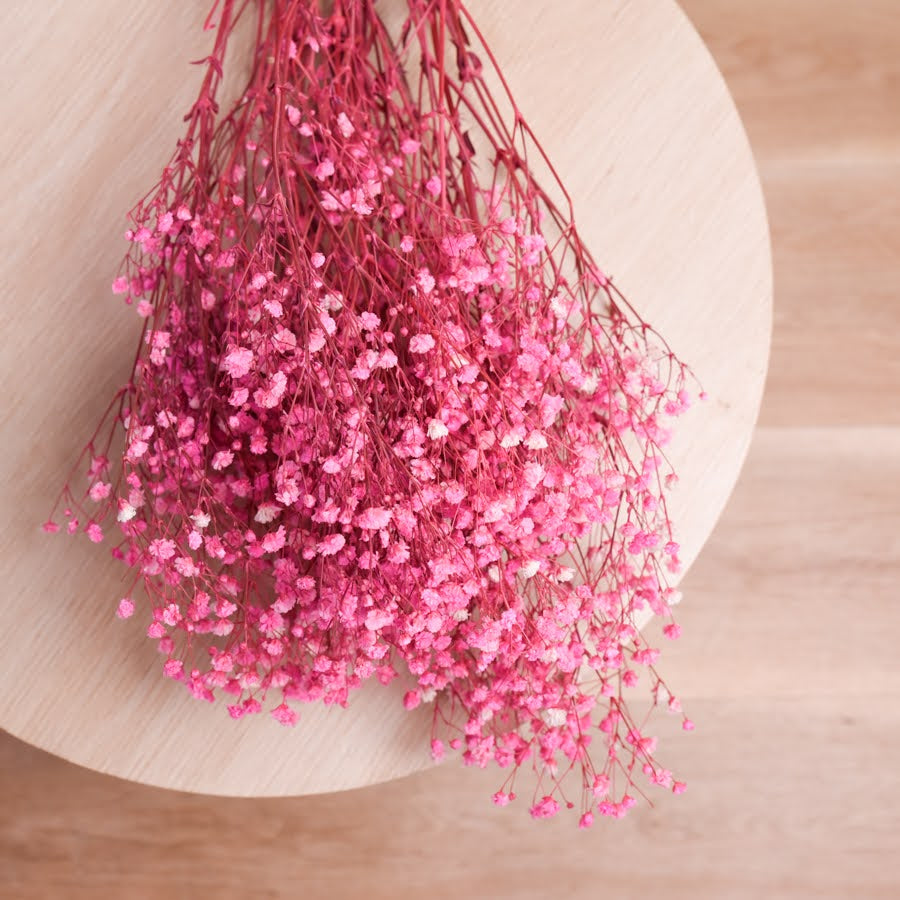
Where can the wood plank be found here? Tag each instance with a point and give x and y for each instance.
(813, 79)
(789, 798)
(836, 343)
(817, 83)
(796, 593)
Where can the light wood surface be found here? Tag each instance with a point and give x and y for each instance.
(632, 110)
(788, 659)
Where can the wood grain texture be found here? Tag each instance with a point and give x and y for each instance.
(836, 345)
(818, 85)
(788, 660)
(687, 241)
(434, 834)
(815, 80)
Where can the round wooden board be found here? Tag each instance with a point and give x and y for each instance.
(638, 121)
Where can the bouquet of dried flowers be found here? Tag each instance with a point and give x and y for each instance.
(387, 415)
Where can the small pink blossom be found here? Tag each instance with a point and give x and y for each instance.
(386, 360)
(237, 362)
(239, 396)
(437, 430)
(369, 321)
(165, 223)
(425, 281)
(266, 513)
(546, 808)
(331, 545)
(421, 343)
(274, 540)
(324, 169)
(173, 668)
(316, 340)
(411, 699)
(100, 491)
(162, 548)
(374, 518)
(344, 125)
(186, 567)
(270, 396)
(285, 715)
(378, 619)
(222, 460)
(600, 787)
(126, 608)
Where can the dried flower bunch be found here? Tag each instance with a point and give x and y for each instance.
(388, 416)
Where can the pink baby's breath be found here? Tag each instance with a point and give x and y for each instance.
(421, 343)
(546, 808)
(331, 545)
(285, 715)
(126, 608)
(373, 518)
(238, 361)
(388, 417)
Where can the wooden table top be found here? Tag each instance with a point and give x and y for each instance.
(635, 116)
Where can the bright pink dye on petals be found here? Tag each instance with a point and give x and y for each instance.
(285, 715)
(546, 808)
(331, 545)
(421, 343)
(379, 419)
(126, 608)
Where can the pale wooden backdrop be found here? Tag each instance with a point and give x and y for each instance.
(789, 660)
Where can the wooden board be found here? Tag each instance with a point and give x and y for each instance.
(638, 121)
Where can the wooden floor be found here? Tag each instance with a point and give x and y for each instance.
(789, 660)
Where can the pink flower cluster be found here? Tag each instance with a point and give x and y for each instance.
(388, 415)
